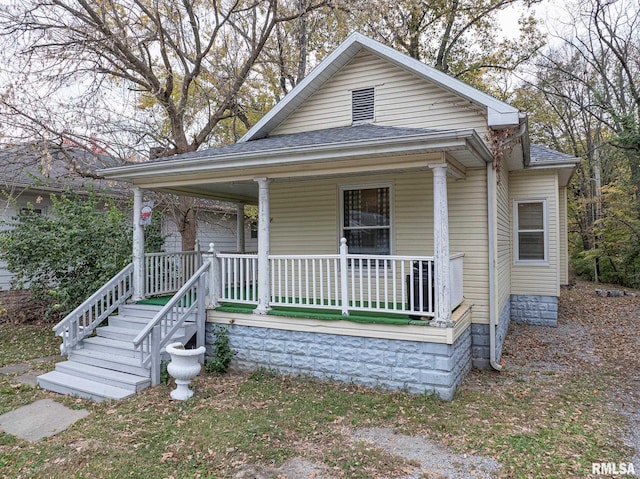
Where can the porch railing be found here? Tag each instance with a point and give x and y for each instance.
(348, 282)
(81, 322)
(167, 272)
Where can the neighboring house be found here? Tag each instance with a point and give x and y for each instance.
(395, 157)
(30, 173)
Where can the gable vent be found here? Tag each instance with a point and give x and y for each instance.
(362, 102)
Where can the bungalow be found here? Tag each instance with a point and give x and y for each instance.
(403, 220)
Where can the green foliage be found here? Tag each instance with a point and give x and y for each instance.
(65, 257)
(164, 372)
(222, 352)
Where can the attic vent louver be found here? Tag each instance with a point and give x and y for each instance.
(362, 102)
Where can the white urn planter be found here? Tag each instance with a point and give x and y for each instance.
(184, 366)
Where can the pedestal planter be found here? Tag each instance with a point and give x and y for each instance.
(184, 366)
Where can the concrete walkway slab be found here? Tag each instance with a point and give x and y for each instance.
(30, 379)
(14, 368)
(43, 418)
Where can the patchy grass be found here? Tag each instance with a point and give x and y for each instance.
(237, 420)
(22, 342)
(542, 423)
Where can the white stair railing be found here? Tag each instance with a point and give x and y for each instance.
(81, 322)
(157, 333)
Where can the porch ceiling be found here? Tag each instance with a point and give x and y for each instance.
(228, 172)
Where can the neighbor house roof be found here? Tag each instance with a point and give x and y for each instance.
(499, 113)
(48, 167)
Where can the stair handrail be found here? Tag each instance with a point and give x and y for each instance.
(158, 332)
(81, 322)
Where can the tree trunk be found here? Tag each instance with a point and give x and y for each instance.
(188, 224)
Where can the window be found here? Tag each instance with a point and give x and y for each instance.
(366, 219)
(531, 244)
(362, 105)
(253, 228)
(31, 211)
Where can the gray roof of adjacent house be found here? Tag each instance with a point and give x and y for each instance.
(53, 168)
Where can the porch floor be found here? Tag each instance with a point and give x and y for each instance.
(328, 314)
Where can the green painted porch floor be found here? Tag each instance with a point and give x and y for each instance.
(308, 313)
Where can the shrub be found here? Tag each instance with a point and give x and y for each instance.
(222, 353)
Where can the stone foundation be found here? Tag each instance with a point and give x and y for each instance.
(414, 366)
(480, 339)
(534, 310)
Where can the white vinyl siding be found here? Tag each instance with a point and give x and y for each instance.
(503, 239)
(537, 279)
(564, 241)
(9, 211)
(401, 99)
(217, 228)
(305, 220)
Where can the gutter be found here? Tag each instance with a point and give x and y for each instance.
(491, 214)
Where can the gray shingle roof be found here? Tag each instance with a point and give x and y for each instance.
(54, 168)
(300, 140)
(542, 155)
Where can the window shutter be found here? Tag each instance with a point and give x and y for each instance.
(362, 105)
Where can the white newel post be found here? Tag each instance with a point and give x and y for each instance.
(138, 247)
(215, 278)
(441, 245)
(264, 220)
(240, 227)
(344, 283)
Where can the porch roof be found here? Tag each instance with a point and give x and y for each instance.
(367, 148)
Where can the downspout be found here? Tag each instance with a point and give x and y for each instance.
(491, 214)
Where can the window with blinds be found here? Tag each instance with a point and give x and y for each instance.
(366, 220)
(530, 231)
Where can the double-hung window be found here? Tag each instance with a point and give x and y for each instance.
(366, 219)
(531, 244)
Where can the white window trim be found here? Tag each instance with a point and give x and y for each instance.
(364, 186)
(545, 221)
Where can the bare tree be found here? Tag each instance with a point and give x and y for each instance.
(158, 73)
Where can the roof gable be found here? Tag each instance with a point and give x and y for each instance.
(499, 114)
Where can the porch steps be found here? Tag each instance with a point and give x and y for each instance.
(104, 366)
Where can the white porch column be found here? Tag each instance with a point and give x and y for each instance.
(240, 227)
(441, 245)
(264, 220)
(138, 247)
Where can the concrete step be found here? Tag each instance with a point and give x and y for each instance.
(63, 383)
(139, 310)
(129, 322)
(136, 310)
(114, 332)
(130, 382)
(101, 359)
(107, 345)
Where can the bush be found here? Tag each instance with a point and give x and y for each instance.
(222, 353)
(65, 257)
